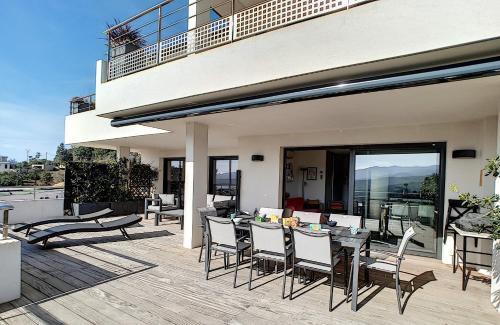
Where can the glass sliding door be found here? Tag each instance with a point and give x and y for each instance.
(173, 179)
(395, 189)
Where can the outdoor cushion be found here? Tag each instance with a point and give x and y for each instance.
(167, 199)
(221, 198)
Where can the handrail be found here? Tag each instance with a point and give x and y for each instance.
(82, 104)
(255, 19)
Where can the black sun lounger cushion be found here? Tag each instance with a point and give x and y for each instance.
(83, 218)
(83, 227)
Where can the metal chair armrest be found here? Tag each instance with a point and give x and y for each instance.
(387, 253)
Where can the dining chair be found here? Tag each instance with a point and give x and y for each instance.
(269, 244)
(270, 211)
(346, 220)
(386, 266)
(315, 251)
(309, 217)
(204, 213)
(222, 237)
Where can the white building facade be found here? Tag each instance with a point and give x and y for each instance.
(5, 165)
(358, 107)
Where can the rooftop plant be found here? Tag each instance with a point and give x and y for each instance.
(124, 34)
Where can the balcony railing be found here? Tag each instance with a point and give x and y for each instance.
(82, 104)
(237, 25)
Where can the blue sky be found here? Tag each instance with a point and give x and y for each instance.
(48, 54)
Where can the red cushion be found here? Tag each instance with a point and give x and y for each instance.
(295, 203)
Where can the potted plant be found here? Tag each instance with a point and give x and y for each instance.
(123, 39)
(490, 205)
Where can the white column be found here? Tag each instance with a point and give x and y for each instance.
(122, 152)
(153, 157)
(495, 258)
(196, 181)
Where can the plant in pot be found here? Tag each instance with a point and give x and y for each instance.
(123, 39)
(490, 206)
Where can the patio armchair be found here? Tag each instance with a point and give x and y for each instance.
(315, 251)
(222, 237)
(204, 213)
(160, 202)
(224, 204)
(269, 244)
(386, 266)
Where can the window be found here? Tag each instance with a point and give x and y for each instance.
(223, 175)
(173, 179)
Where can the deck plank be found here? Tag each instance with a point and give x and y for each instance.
(152, 279)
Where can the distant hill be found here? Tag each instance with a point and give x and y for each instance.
(395, 171)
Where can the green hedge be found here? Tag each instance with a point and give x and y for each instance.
(87, 182)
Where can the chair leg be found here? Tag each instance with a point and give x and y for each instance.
(291, 284)
(208, 254)
(28, 231)
(251, 270)
(346, 269)
(284, 280)
(201, 251)
(332, 278)
(236, 268)
(398, 294)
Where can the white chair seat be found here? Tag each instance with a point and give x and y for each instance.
(317, 266)
(231, 249)
(376, 264)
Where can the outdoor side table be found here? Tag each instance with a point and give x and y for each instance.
(178, 213)
(10, 257)
(464, 251)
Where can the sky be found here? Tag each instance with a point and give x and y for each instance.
(48, 53)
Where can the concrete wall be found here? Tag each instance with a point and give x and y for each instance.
(88, 127)
(35, 210)
(374, 31)
(313, 189)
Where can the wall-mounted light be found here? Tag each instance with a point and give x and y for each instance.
(464, 154)
(257, 158)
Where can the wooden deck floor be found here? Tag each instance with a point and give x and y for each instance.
(153, 280)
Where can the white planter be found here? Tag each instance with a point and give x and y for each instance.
(10, 270)
(495, 275)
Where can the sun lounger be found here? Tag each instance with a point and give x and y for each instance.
(83, 218)
(119, 224)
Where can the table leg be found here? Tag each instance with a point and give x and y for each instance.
(355, 273)
(156, 219)
(367, 254)
(454, 251)
(182, 222)
(464, 263)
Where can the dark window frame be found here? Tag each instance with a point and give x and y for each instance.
(212, 172)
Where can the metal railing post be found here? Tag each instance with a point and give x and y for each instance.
(158, 39)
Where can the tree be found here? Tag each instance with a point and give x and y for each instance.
(63, 155)
(46, 178)
(429, 187)
(81, 153)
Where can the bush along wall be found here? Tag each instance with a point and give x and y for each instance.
(121, 185)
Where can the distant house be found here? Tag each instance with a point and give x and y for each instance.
(46, 167)
(5, 165)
